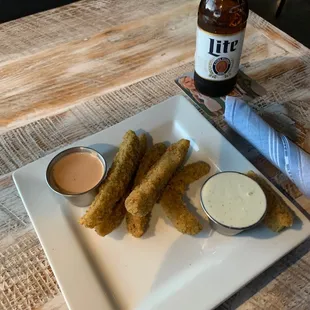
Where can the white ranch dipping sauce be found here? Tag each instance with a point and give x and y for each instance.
(233, 199)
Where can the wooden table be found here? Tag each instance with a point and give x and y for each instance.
(78, 69)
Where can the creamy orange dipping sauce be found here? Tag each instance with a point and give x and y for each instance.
(77, 172)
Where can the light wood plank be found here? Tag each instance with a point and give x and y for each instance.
(54, 79)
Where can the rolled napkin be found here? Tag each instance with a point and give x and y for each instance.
(277, 148)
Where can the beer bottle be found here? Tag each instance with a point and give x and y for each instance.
(220, 34)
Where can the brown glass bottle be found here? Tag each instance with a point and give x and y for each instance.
(220, 33)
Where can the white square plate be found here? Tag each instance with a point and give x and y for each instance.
(164, 269)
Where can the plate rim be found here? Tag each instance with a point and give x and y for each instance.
(173, 101)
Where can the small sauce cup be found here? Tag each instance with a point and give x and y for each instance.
(79, 199)
(231, 229)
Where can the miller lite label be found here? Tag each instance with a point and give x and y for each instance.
(218, 56)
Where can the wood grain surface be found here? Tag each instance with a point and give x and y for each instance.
(39, 82)
(89, 65)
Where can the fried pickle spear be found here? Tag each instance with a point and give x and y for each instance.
(142, 199)
(142, 145)
(111, 221)
(172, 202)
(137, 225)
(115, 185)
(278, 216)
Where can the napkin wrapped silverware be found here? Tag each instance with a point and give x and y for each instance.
(277, 148)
